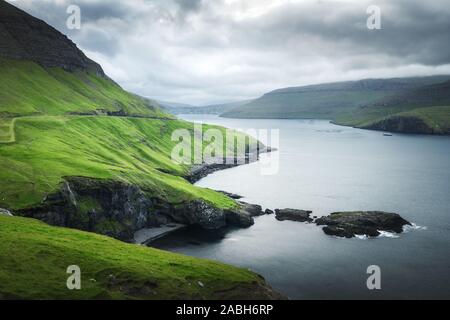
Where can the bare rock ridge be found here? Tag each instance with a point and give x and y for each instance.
(25, 37)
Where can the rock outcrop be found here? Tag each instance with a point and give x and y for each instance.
(231, 195)
(293, 215)
(119, 209)
(243, 217)
(200, 171)
(25, 37)
(402, 124)
(350, 224)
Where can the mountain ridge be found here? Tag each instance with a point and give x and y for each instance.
(25, 37)
(365, 104)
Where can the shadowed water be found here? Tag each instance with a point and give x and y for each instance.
(327, 168)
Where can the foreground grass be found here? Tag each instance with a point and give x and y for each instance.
(34, 258)
(7, 131)
(134, 150)
(53, 125)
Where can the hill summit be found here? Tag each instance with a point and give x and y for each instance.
(24, 37)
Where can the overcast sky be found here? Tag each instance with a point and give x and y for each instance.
(213, 51)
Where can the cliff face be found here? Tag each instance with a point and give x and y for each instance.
(402, 124)
(119, 209)
(27, 38)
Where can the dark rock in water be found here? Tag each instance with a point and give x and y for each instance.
(239, 218)
(25, 37)
(253, 210)
(243, 217)
(231, 195)
(350, 224)
(293, 215)
(268, 212)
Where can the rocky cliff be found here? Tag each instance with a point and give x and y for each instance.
(25, 37)
(118, 209)
(402, 124)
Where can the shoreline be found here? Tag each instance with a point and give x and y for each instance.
(148, 235)
(198, 172)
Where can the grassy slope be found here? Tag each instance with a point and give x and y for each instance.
(34, 258)
(427, 103)
(316, 104)
(45, 143)
(40, 143)
(358, 104)
(437, 115)
(28, 89)
(48, 148)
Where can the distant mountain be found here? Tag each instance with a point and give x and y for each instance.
(327, 101)
(420, 110)
(217, 109)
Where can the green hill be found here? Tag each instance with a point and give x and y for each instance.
(34, 258)
(365, 103)
(27, 88)
(419, 110)
(76, 150)
(135, 150)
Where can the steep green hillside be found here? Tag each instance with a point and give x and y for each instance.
(34, 258)
(419, 110)
(326, 101)
(29, 89)
(77, 150)
(134, 150)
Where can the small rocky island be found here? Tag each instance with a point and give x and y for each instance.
(349, 224)
(293, 215)
(370, 223)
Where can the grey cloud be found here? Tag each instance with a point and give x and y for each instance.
(189, 5)
(204, 51)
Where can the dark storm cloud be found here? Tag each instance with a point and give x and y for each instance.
(201, 51)
(411, 30)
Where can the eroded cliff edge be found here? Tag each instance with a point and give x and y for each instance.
(118, 209)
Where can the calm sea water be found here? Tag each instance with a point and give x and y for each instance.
(327, 168)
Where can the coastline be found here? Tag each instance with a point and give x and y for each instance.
(199, 172)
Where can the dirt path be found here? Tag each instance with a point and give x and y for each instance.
(10, 136)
